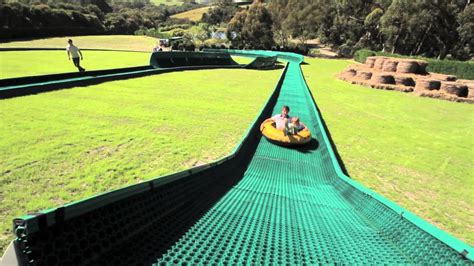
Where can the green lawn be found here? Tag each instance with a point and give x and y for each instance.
(62, 146)
(415, 151)
(242, 59)
(30, 63)
(111, 42)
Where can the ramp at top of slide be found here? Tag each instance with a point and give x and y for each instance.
(263, 204)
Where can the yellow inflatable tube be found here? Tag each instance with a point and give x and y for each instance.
(269, 130)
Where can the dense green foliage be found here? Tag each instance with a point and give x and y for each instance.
(434, 29)
(251, 28)
(222, 12)
(415, 151)
(463, 70)
(62, 146)
(31, 18)
(362, 54)
(428, 28)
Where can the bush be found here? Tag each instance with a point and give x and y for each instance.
(345, 50)
(314, 52)
(461, 69)
(361, 55)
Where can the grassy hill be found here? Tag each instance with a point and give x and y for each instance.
(112, 42)
(19, 63)
(193, 15)
(168, 2)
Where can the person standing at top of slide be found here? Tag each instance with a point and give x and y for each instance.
(74, 52)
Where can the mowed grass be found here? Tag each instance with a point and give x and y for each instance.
(110, 42)
(32, 63)
(192, 15)
(65, 145)
(418, 152)
(242, 59)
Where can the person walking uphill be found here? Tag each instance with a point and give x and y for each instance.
(74, 52)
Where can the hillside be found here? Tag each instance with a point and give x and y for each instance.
(193, 15)
(109, 42)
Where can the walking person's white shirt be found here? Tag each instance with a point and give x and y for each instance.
(73, 50)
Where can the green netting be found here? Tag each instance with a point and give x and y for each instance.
(265, 204)
(292, 208)
(177, 59)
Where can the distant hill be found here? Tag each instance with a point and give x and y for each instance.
(192, 15)
(168, 2)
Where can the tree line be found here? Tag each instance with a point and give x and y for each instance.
(48, 18)
(431, 28)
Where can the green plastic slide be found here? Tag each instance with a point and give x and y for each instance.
(263, 204)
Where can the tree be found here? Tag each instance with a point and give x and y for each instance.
(222, 12)
(280, 9)
(252, 28)
(466, 30)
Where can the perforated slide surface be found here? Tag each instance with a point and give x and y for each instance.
(263, 204)
(292, 208)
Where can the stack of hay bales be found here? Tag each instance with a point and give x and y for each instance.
(408, 75)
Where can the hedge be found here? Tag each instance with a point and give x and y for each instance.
(461, 69)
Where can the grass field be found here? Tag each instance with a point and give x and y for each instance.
(62, 146)
(168, 2)
(242, 59)
(112, 42)
(193, 15)
(415, 151)
(30, 63)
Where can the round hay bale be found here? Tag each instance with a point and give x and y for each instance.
(379, 60)
(364, 75)
(454, 88)
(427, 84)
(407, 66)
(470, 93)
(390, 65)
(381, 78)
(404, 80)
(443, 77)
(421, 67)
(370, 61)
(350, 71)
